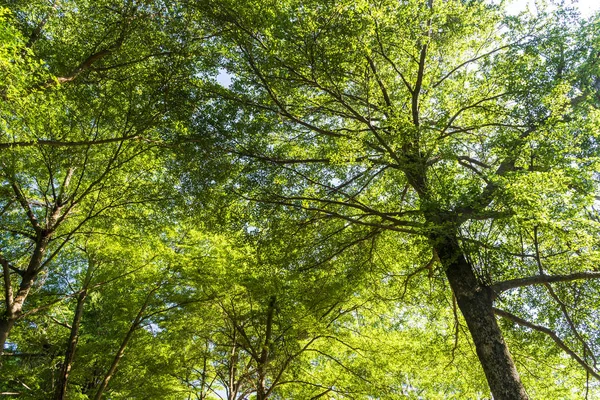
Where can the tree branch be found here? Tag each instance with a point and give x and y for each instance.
(8, 290)
(459, 66)
(542, 279)
(553, 336)
(60, 143)
(86, 64)
(25, 204)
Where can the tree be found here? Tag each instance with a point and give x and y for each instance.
(420, 172)
(446, 120)
(99, 300)
(80, 118)
(280, 301)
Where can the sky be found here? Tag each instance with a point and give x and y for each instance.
(586, 7)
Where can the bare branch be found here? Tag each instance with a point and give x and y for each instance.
(60, 143)
(553, 336)
(542, 279)
(63, 324)
(25, 205)
(445, 132)
(86, 64)
(390, 61)
(384, 92)
(556, 298)
(418, 84)
(459, 66)
(473, 161)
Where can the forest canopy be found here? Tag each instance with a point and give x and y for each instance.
(299, 199)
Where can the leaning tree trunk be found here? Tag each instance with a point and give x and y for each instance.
(63, 379)
(139, 318)
(475, 301)
(14, 306)
(116, 360)
(6, 324)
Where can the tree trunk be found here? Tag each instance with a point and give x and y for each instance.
(63, 378)
(6, 324)
(115, 363)
(475, 301)
(234, 385)
(14, 306)
(133, 327)
(262, 393)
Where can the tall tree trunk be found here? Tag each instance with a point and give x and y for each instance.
(113, 367)
(234, 384)
(475, 301)
(63, 378)
(262, 393)
(6, 324)
(13, 306)
(134, 326)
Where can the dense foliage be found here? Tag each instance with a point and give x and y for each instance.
(298, 200)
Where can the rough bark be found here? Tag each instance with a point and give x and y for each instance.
(475, 301)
